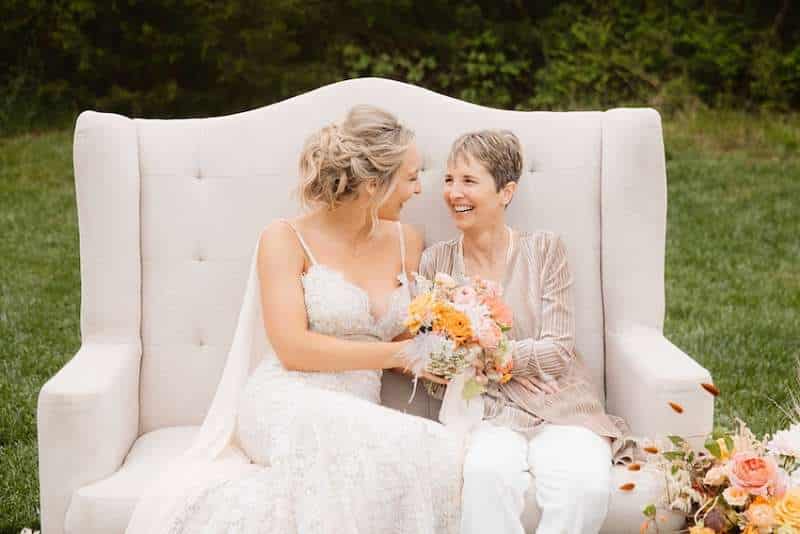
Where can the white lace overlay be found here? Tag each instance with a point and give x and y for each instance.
(334, 459)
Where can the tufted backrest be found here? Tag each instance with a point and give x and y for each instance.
(177, 206)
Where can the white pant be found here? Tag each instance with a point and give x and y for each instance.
(571, 467)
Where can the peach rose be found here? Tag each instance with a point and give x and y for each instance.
(787, 510)
(500, 311)
(756, 474)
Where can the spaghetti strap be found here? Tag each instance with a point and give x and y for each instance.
(302, 241)
(402, 246)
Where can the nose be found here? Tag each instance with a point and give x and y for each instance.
(454, 192)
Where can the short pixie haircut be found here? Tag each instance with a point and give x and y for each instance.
(497, 150)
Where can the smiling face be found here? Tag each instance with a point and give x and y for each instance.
(471, 195)
(406, 185)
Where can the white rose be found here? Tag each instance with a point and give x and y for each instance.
(444, 280)
(735, 496)
(715, 476)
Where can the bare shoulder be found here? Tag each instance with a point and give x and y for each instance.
(278, 245)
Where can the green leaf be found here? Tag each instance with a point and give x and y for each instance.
(729, 443)
(677, 441)
(472, 389)
(649, 511)
(674, 470)
(713, 447)
(718, 433)
(674, 455)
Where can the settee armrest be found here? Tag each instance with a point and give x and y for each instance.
(644, 374)
(87, 419)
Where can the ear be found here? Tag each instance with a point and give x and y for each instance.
(507, 192)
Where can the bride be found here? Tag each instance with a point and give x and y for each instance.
(295, 439)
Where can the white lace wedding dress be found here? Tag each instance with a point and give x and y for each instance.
(334, 459)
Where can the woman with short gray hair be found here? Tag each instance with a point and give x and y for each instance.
(547, 422)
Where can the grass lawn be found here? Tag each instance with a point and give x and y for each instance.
(733, 274)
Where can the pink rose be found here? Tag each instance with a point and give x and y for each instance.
(465, 296)
(756, 474)
(489, 335)
(500, 311)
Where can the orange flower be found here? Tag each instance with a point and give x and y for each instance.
(634, 467)
(711, 388)
(675, 406)
(628, 486)
(452, 321)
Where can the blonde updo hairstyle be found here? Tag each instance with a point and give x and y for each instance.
(369, 145)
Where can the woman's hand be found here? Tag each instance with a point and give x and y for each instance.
(547, 386)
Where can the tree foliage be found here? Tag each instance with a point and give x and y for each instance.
(200, 57)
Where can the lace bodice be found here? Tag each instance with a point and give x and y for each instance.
(337, 307)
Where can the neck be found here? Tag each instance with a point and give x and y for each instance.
(349, 220)
(487, 245)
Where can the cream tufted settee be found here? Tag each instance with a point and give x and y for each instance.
(169, 211)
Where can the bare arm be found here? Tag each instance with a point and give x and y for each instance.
(280, 264)
(550, 354)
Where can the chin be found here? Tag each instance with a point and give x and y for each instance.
(462, 224)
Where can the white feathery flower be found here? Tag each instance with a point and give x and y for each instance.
(786, 442)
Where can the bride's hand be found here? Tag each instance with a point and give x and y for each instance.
(435, 378)
(429, 376)
(398, 362)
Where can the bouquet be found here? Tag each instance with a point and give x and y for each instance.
(460, 328)
(736, 484)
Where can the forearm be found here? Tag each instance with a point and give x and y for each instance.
(319, 352)
(542, 358)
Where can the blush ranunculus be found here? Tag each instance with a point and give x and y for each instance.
(489, 335)
(758, 475)
(465, 296)
(500, 311)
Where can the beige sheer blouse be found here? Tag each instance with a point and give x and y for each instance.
(538, 288)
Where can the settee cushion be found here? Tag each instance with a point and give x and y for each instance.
(105, 506)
